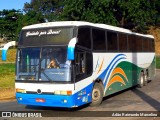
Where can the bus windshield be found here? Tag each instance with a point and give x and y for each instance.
(43, 64)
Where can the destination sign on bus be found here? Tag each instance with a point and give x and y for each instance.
(40, 33)
(46, 36)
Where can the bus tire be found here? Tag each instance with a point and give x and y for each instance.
(97, 94)
(141, 80)
(146, 78)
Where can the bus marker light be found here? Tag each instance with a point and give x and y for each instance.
(69, 92)
(40, 100)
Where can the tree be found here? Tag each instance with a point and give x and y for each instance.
(157, 17)
(47, 10)
(89, 10)
(9, 24)
(132, 14)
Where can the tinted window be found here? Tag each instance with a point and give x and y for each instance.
(122, 42)
(139, 43)
(131, 43)
(151, 45)
(84, 38)
(145, 44)
(112, 41)
(99, 42)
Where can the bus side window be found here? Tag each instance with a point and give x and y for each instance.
(132, 43)
(84, 38)
(152, 45)
(139, 43)
(99, 40)
(145, 44)
(83, 64)
(112, 41)
(122, 42)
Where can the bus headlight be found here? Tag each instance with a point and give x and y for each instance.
(63, 92)
(20, 90)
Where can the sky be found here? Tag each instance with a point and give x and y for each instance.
(12, 4)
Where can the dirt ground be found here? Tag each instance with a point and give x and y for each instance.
(7, 93)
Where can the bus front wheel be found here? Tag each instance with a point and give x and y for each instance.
(97, 94)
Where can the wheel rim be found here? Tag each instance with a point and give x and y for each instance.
(96, 94)
(142, 79)
(146, 77)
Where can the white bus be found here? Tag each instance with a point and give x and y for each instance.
(72, 63)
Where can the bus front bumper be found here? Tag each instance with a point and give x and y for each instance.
(46, 100)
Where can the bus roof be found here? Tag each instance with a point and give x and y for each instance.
(82, 23)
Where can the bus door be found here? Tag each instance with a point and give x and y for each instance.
(83, 64)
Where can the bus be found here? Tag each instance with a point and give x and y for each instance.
(72, 63)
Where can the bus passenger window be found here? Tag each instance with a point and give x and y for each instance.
(139, 43)
(132, 43)
(145, 44)
(112, 41)
(122, 42)
(84, 38)
(152, 49)
(99, 41)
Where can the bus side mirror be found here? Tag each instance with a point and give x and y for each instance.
(71, 48)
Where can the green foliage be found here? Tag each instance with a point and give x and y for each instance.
(47, 10)
(158, 62)
(9, 20)
(91, 11)
(132, 14)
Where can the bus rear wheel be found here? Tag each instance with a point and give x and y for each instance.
(141, 80)
(97, 94)
(146, 76)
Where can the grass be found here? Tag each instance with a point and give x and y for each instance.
(158, 62)
(7, 75)
(7, 69)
